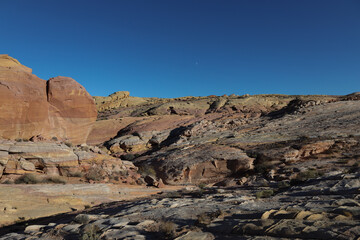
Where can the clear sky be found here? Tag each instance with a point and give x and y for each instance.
(173, 48)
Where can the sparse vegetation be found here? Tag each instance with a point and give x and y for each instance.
(69, 144)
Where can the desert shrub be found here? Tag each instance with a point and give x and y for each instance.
(28, 178)
(85, 148)
(69, 144)
(54, 179)
(91, 232)
(128, 157)
(94, 174)
(174, 194)
(82, 219)
(76, 174)
(7, 181)
(354, 168)
(54, 139)
(167, 229)
(342, 161)
(202, 186)
(207, 217)
(263, 168)
(265, 194)
(147, 170)
(283, 184)
(306, 175)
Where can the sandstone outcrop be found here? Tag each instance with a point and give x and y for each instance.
(31, 106)
(57, 159)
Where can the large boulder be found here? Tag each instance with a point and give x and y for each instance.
(202, 163)
(30, 106)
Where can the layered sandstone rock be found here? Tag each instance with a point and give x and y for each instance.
(31, 106)
(58, 159)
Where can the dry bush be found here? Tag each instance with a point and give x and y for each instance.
(94, 174)
(91, 232)
(167, 229)
(28, 178)
(147, 170)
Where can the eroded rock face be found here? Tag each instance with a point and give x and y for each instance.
(31, 106)
(58, 159)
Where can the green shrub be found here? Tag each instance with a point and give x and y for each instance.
(265, 194)
(263, 168)
(283, 184)
(306, 175)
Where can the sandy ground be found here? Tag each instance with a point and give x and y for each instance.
(23, 202)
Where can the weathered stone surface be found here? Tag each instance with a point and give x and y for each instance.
(191, 235)
(31, 106)
(26, 165)
(71, 107)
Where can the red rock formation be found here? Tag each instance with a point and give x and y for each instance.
(30, 106)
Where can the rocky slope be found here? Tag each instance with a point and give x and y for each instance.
(30, 106)
(208, 139)
(252, 167)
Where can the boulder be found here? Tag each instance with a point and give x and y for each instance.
(197, 164)
(26, 165)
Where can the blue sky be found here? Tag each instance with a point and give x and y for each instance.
(172, 48)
